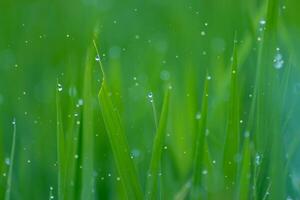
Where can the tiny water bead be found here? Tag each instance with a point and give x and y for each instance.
(203, 33)
(59, 87)
(257, 159)
(247, 134)
(205, 172)
(97, 58)
(262, 22)
(208, 77)
(150, 97)
(7, 161)
(278, 59)
(198, 115)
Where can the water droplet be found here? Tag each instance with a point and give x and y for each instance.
(150, 97)
(203, 33)
(214, 162)
(76, 156)
(208, 77)
(262, 22)
(198, 115)
(257, 159)
(164, 75)
(80, 102)
(28, 161)
(247, 134)
(278, 59)
(204, 172)
(59, 87)
(7, 161)
(118, 178)
(165, 147)
(97, 58)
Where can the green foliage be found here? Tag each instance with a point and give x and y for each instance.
(228, 128)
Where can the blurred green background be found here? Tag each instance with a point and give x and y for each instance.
(144, 45)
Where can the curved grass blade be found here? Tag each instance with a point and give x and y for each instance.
(155, 163)
(201, 148)
(118, 141)
(12, 156)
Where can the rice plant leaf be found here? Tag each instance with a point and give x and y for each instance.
(11, 163)
(87, 151)
(231, 148)
(155, 163)
(60, 147)
(245, 171)
(200, 148)
(118, 141)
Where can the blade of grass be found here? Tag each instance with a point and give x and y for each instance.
(60, 146)
(200, 149)
(153, 173)
(87, 151)
(11, 164)
(245, 171)
(184, 191)
(231, 148)
(118, 141)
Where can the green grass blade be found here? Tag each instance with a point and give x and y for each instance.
(184, 191)
(231, 148)
(200, 147)
(87, 151)
(155, 163)
(12, 156)
(245, 171)
(118, 141)
(60, 146)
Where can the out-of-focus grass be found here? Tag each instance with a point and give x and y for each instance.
(237, 140)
